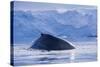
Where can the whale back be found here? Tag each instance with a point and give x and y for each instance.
(49, 42)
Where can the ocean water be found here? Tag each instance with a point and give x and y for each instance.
(84, 52)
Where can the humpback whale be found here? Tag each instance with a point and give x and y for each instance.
(49, 42)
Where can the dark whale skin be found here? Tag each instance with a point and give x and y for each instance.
(49, 42)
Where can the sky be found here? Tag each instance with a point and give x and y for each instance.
(35, 6)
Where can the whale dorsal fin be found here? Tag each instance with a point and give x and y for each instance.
(42, 34)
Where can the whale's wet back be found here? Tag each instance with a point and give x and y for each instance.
(49, 42)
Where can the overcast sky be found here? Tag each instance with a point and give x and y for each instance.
(34, 6)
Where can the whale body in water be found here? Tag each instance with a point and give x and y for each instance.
(49, 42)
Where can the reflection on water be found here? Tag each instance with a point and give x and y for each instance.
(84, 52)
